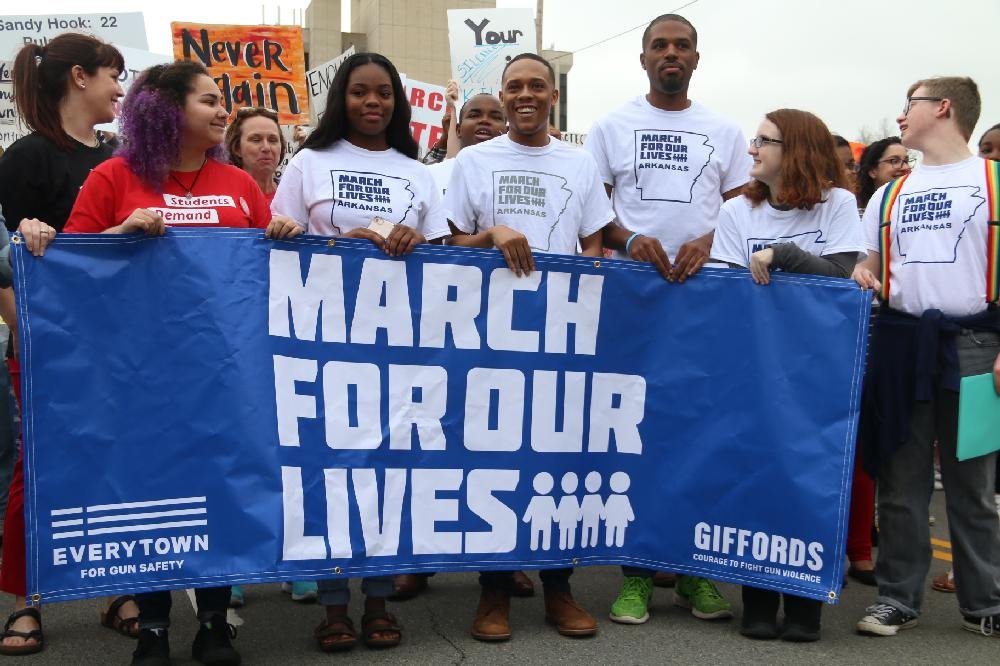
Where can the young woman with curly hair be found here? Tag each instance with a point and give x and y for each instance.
(171, 170)
(795, 215)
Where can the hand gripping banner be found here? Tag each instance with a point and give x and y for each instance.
(210, 407)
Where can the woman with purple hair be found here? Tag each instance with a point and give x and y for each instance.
(170, 170)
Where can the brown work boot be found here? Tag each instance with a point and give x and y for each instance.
(491, 622)
(521, 585)
(407, 586)
(569, 617)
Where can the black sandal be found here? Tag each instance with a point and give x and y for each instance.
(126, 626)
(34, 634)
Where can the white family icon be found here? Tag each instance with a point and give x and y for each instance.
(543, 511)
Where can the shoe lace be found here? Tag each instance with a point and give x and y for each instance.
(881, 611)
(634, 589)
(706, 588)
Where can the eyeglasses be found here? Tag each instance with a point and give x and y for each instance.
(852, 166)
(911, 100)
(897, 162)
(759, 140)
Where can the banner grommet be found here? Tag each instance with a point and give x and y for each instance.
(831, 595)
(597, 264)
(331, 242)
(36, 598)
(16, 239)
(336, 570)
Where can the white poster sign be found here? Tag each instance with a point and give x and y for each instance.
(482, 41)
(10, 129)
(427, 105)
(119, 28)
(318, 81)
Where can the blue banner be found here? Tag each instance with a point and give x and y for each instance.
(211, 407)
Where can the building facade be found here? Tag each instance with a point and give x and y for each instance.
(413, 34)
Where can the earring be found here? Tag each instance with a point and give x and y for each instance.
(82, 86)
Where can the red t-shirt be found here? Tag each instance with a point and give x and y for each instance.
(223, 196)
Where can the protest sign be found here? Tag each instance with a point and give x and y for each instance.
(319, 80)
(482, 41)
(313, 408)
(254, 65)
(11, 129)
(119, 28)
(427, 105)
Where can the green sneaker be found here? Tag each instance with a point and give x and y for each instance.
(702, 597)
(631, 606)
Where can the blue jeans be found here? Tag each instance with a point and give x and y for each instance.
(904, 493)
(335, 592)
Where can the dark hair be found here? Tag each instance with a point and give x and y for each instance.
(988, 130)
(333, 125)
(809, 164)
(869, 160)
(234, 133)
(840, 141)
(152, 120)
(461, 112)
(41, 73)
(530, 56)
(669, 17)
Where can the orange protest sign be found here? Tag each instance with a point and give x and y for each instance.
(254, 65)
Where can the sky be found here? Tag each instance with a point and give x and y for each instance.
(849, 62)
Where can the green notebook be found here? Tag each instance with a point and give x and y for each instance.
(978, 417)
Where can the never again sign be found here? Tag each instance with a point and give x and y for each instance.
(254, 65)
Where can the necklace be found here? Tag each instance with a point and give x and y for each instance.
(189, 196)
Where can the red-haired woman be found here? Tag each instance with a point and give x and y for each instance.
(797, 206)
(62, 90)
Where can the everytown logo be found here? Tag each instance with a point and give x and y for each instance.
(183, 514)
(489, 37)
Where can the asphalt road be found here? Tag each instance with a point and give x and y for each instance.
(275, 630)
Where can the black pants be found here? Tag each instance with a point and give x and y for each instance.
(552, 579)
(154, 607)
(798, 610)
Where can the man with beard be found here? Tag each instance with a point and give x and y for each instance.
(521, 193)
(668, 163)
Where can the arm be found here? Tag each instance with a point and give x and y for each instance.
(451, 94)
(642, 248)
(792, 258)
(512, 244)
(593, 245)
(996, 374)
(868, 274)
(691, 256)
(8, 311)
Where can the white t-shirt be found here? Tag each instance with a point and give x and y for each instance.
(937, 253)
(442, 174)
(553, 194)
(831, 226)
(669, 169)
(331, 191)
